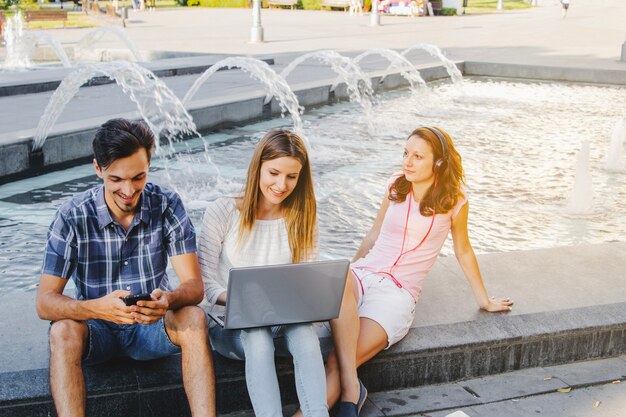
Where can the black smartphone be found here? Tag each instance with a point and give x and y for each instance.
(131, 300)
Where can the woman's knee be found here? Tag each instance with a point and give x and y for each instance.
(302, 339)
(68, 336)
(257, 342)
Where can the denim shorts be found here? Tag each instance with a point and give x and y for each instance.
(136, 341)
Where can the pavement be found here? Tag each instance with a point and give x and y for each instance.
(592, 388)
(591, 35)
(585, 389)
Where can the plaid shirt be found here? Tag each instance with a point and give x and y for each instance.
(87, 245)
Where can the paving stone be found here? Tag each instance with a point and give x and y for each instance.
(577, 403)
(513, 385)
(415, 400)
(590, 372)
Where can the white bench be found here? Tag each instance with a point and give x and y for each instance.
(289, 3)
(339, 4)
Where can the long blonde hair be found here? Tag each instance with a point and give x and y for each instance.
(445, 195)
(299, 208)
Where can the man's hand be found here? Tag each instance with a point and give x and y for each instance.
(112, 308)
(148, 312)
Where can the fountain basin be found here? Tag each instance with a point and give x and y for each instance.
(220, 111)
(47, 55)
(551, 323)
(208, 114)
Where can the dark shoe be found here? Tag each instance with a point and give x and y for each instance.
(348, 409)
(362, 397)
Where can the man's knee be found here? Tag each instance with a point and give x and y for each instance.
(187, 318)
(68, 336)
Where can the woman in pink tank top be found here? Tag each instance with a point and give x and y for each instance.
(422, 205)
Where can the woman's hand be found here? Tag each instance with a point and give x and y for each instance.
(498, 304)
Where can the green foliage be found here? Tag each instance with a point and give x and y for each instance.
(448, 11)
(310, 4)
(216, 3)
(490, 6)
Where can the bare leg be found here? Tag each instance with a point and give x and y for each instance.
(187, 328)
(67, 342)
(345, 331)
(371, 341)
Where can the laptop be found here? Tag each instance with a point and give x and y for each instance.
(273, 295)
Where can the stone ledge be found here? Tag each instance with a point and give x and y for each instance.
(428, 355)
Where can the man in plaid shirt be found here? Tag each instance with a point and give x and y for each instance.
(113, 241)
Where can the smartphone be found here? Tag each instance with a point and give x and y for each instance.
(131, 300)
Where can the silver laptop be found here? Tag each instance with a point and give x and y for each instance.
(283, 294)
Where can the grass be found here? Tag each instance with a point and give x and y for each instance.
(74, 20)
(489, 6)
(160, 4)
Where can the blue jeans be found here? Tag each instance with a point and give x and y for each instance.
(136, 341)
(258, 346)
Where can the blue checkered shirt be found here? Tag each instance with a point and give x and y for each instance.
(87, 245)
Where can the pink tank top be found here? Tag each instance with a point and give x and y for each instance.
(411, 269)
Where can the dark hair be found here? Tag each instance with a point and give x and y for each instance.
(443, 197)
(121, 138)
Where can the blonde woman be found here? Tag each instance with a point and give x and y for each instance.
(273, 222)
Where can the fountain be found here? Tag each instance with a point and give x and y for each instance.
(20, 45)
(84, 47)
(580, 200)
(614, 160)
(57, 48)
(261, 71)
(157, 104)
(435, 51)
(510, 173)
(359, 85)
(17, 57)
(398, 62)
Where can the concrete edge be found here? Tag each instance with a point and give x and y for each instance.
(170, 67)
(544, 72)
(428, 355)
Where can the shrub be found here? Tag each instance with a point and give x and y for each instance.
(311, 4)
(217, 3)
(448, 11)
